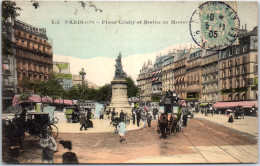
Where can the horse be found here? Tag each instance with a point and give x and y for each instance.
(163, 125)
(172, 125)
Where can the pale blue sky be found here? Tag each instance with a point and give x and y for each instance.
(92, 40)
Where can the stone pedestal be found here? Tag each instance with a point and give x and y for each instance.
(119, 99)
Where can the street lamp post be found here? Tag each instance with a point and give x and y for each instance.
(82, 73)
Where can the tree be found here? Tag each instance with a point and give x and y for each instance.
(103, 93)
(54, 89)
(156, 98)
(132, 89)
(9, 12)
(26, 84)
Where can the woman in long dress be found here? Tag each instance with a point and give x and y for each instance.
(122, 130)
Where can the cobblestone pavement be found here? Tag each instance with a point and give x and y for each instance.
(248, 125)
(200, 142)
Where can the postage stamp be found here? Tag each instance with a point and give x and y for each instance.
(142, 82)
(217, 25)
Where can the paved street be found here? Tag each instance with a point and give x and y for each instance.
(200, 142)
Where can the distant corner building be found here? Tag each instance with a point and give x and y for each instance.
(62, 72)
(204, 76)
(32, 57)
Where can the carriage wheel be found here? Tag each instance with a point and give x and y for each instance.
(52, 130)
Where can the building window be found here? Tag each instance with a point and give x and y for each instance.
(223, 65)
(230, 84)
(255, 68)
(244, 70)
(238, 71)
(224, 85)
(28, 44)
(230, 63)
(30, 36)
(43, 49)
(19, 33)
(230, 73)
(237, 50)
(244, 96)
(237, 83)
(244, 82)
(244, 47)
(244, 59)
(231, 51)
(35, 38)
(230, 97)
(237, 97)
(224, 73)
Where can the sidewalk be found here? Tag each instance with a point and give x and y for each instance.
(247, 125)
(100, 126)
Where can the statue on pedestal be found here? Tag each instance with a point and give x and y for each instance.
(119, 73)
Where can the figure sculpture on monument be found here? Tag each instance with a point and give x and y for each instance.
(119, 73)
(119, 100)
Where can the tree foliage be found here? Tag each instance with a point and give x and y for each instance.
(132, 89)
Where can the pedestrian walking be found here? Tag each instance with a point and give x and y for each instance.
(48, 145)
(253, 110)
(138, 116)
(133, 115)
(149, 119)
(101, 116)
(113, 114)
(83, 121)
(108, 113)
(122, 115)
(154, 113)
(185, 119)
(144, 118)
(122, 130)
(89, 122)
(231, 119)
(211, 110)
(68, 157)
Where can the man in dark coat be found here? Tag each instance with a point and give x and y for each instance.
(133, 114)
(149, 119)
(83, 122)
(113, 113)
(138, 116)
(185, 119)
(122, 115)
(89, 122)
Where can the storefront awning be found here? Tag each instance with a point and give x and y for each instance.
(244, 104)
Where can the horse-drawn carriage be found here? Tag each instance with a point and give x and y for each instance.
(239, 113)
(16, 124)
(170, 121)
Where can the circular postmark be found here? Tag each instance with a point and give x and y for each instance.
(214, 25)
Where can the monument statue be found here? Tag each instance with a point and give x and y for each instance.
(119, 73)
(119, 100)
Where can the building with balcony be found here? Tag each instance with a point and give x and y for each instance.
(156, 77)
(193, 75)
(179, 71)
(34, 56)
(238, 69)
(209, 74)
(167, 73)
(144, 82)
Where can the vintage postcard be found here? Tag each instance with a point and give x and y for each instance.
(124, 82)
